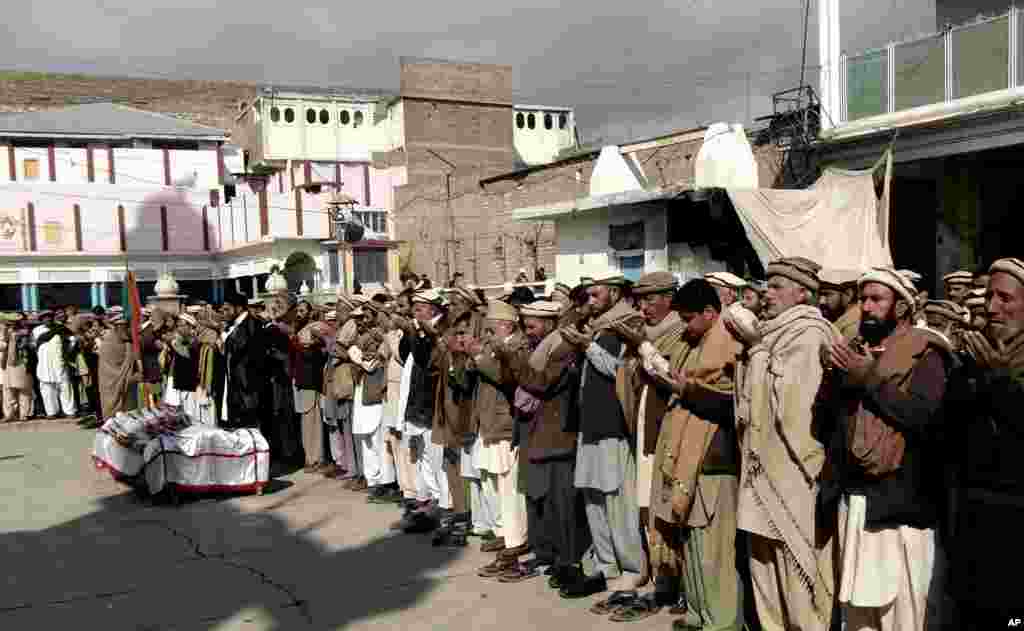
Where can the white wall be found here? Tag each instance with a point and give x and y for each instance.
(583, 248)
(540, 145)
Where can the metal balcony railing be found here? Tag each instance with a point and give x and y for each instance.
(977, 58)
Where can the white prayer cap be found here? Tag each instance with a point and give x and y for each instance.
(725, 279)
(893, 280)
(184, 317)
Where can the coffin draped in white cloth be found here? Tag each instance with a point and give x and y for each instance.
(206, 459)
(838, 222)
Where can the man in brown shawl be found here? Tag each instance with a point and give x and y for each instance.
(693, 503)
(646, 396)
(119, 371)
(986, 446)
(791, 558)
(882, 397)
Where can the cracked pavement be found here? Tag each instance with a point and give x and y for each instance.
(79, 548)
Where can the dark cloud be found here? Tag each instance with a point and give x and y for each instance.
(629, 68)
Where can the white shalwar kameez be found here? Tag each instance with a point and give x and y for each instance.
(54, 383)
(368, 431)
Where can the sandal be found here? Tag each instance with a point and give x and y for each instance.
(637, 609)
(613, 602)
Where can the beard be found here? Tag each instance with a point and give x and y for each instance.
(874, 330)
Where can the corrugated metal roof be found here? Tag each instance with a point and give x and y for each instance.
(103, 120)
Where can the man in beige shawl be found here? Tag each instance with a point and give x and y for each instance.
(118, 369)
(791, 554)
(696, 466)
(19, 402)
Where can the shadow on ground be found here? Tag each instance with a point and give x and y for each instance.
(256, 562)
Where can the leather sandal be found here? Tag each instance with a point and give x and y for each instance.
(518, 572)
(613, 602)
(495, 568)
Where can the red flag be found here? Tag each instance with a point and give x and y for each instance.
(134, 313)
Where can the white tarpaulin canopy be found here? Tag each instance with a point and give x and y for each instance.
(838, 222)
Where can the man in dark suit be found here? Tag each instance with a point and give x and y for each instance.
(244, 354)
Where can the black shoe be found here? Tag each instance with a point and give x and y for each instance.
(584, 586)
(563, 575)
(666, 591)
(421, 522)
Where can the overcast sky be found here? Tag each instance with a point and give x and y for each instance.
(630, 69)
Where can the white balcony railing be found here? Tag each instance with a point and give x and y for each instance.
(977, 58)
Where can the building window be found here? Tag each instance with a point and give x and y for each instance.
(531, 121)
(344, 117)
(563, 121)
(289, 115)
(275, 114)
(357, 120)
(374, 221)
(549, 122)
(520, 120)
(310, 115)
(325, 117)
(30, 168)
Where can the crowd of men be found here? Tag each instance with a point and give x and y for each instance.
(825, 445)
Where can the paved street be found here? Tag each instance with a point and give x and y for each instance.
(79, 551)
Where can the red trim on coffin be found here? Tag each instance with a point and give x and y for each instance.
(99, 463)
(217, 488)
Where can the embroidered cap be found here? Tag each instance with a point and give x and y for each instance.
(797, 269)
(959, 277)
(541, 309)
(1013, 267)
(500, 310)
(655, 283)
(893, 280)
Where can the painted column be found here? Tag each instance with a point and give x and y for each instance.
(101, 288)
(255, 286)
(828, 56)
(26, 298)
(94, 298)
(34, 296)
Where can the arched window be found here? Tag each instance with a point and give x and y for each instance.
(548, 121)
(357, 119)
(289, 115)
(344, 117)
(275, 114)
(563, 120)
(325, 117)
(520, 120)
(531, 120)
(310, 115)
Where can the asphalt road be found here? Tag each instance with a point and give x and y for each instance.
(79, 551)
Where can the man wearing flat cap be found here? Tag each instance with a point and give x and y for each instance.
(883, 398)
(751, 296)
(546, 373)
(986, 445)
(948, 319)
(648, 395)
(501, 457)
(605, 461)
(781, 457)
(838, 300)
(957, 284)
(423, 349)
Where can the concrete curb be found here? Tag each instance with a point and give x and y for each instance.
(37, 423)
